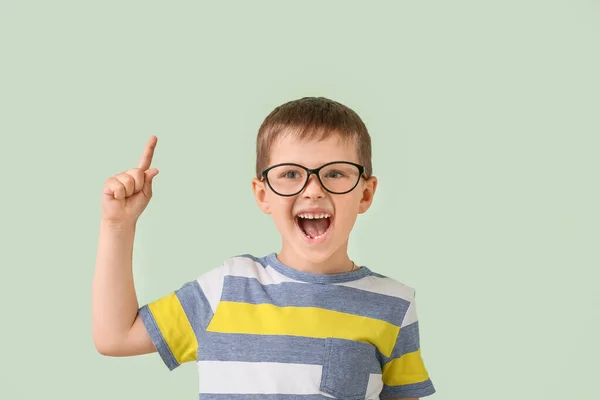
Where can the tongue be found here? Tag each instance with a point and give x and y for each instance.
(314, 227)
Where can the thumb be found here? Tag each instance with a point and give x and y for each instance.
(150, 174)
(148, 177)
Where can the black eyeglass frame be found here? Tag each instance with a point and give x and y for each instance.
(309, 172)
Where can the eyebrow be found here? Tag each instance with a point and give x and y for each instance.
(316, 164)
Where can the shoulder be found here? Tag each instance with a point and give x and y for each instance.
(402, 293)
(245, 265)
(212, 282)
(389, 286)
(246, 261)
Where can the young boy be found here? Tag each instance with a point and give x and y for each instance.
(303, 323)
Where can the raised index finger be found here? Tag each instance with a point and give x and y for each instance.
(146, 159)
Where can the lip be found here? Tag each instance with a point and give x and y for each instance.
(325, 235)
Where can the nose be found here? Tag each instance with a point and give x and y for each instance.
(313, 188)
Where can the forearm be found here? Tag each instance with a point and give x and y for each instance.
(114, 301)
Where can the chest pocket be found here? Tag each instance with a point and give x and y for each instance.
(347, 368)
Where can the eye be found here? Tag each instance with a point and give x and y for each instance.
(291, 174)
(334, 174)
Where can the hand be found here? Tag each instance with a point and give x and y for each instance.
(126, 195)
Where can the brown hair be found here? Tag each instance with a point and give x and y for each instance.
(313, 118)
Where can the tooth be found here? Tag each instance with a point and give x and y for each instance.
(313, 216)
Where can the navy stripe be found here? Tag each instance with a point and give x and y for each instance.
(218, 346)
(330, 297)
(420, 389)
(157, 338)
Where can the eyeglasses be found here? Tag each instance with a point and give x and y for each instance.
(337, 177)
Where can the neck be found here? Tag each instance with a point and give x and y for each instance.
(336, 263)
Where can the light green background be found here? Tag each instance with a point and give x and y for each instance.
(485, 118)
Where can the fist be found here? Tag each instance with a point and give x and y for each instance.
(126, 195)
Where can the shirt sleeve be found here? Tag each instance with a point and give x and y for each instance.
(404, 372)
(175, 322)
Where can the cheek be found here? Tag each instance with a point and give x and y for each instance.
(281, 207)
(347, 212)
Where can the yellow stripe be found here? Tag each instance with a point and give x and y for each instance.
(175, 327)
(408, 368)
(267, 319)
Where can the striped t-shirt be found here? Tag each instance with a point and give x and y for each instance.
(259, 329)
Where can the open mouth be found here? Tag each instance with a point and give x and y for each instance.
(314, 226)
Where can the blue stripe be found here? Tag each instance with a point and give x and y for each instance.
(330, 297)
(420, 389)
(196, 306)
(217, 346)
(407, 342)
(157, 338)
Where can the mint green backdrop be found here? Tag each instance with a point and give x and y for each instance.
(485, 118)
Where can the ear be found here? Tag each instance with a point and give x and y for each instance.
(368, 192)
(260, 195)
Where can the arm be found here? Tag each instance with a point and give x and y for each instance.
(404, 371)
(117, 328)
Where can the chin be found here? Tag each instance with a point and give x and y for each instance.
(315, 250)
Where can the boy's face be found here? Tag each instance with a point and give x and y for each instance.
(314, 240)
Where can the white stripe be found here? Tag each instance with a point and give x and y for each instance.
(374, 387)
(211, 284)
(235, 377)
(411, 314)
(386, 286)
(248, 268)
